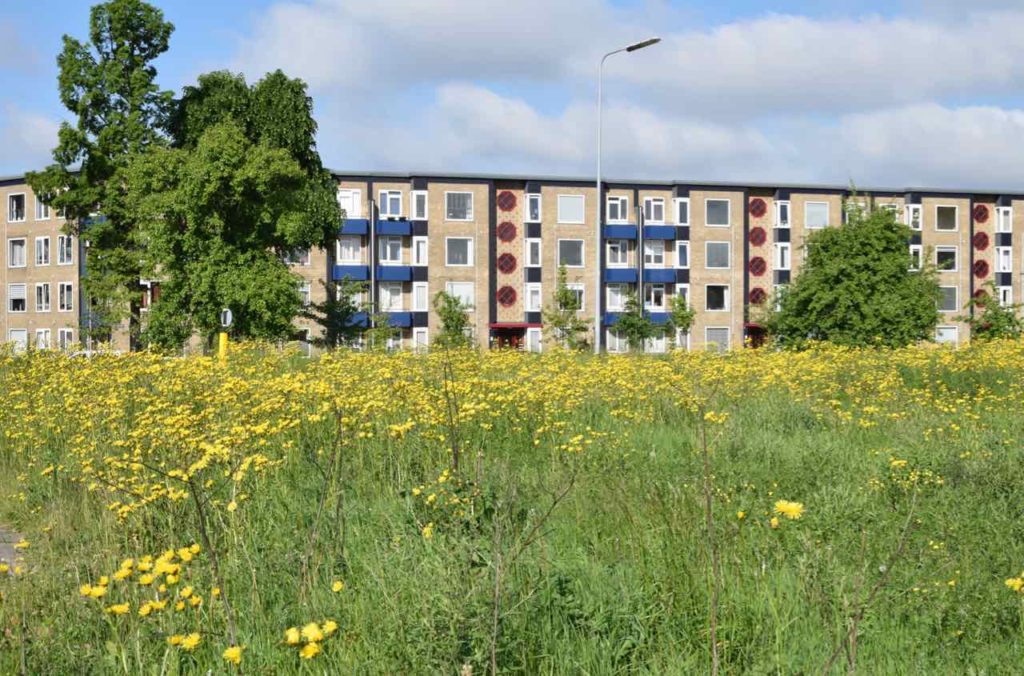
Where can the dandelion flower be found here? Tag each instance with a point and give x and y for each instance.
(98, 592)
(176, 639)
(232, 506)
(337, 586)
(185, 592)
(233, 654)
(215, 592)
(190, 642)
(312, 633)
(330, 626)
(428, 531)
(292, 636)
(790, 510)
(774, 522)
(1015, 584)
(740, 515)
(309, 651)
(22, 544)
(145, 579)
(85, 589)
(118, 609)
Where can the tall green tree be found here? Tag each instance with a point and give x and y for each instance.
(680, 318)
(562, 316)
(241, 186)
(337, 314)
(108, 83)
(454, 316)
(634, 324)
(856, 288)
(991, 320)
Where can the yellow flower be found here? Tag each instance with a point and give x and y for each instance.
(215, 592)
(195, 549)
(790, 510)
(122, 574)
(233, 654)
(185, 592)
(337, 586)
(774, 522)
(330, 626)
(176, 639)
(22, 544)
(311, 632)
(118, 609)
(232, 506)
(171, 579)
(309, 651)
(1015, 583)
(98, 592)
(85, 589)
(179, 606)
(196, 601)
(190, 642)
(741, 515)
(145, 579)
(145, 609)
(127, 563)
(428, 531)
(291, 636)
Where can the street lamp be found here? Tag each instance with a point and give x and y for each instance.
(597, 223)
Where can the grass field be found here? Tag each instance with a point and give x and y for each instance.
(458, 513)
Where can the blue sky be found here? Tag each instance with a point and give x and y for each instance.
(919, 92)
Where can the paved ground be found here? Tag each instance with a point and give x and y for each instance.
(8, 538)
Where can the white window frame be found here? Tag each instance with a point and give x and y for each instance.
(828, 214)
(10, 252)
(956, 217)
(418, 215)
(306, 293)
(728, 265)
(358, 240)
(469, 217)
(728, 336)
(579, 286)
(583, 210)
(355, 198)
(61, 239)
(677, 202)
(945, 327)
(1004, 259)
(657, 344)
(470, 254)
(534, 337)
(1004, 219)
(390, 288)
(649, 206)
(916, 253)
(649, 293)
(420, 338)
(528, 254)
(420, 245)
(45, 305)
(728, 299)
(449, 286)
(1005, 295)
(956, 298)
(728, 212)
(304, 261)
(653, 249)
(682, 244)
(19, 345)
(42, 210)
(614, 343)
(534, 290)
(683, 291)
(779, 222)
(623, 290)
(45, 240)
(783, 261)
(70, 295)
(622, 246)
(530, 198)
(583, 253)
(420, 304)
(24, 207)
(946, 249)
(915, 212)
(65, 339)
(22, 296)
(383, 247)
(384, 197)
(623, 203)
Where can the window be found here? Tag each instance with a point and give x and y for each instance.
(42, 210)
(43, 297)
(654, 252)
(945, 258)
(617, 297)
(654, 297)
(464, 291)
(297, 256)
(615, 342)
(458, 251)
(42, 339)
(914, 216)
(20, 339)
(1004, 259)
(65, 250)
(390, 203)
(655, 344)
(16, 255)
(533, 252)
(533, 340)
(16, 298)
(654, 210)
(716, 298)
(570, 253)
(1005, 295)
(65, 297)
(948, 302)
(65, 339)
(1004, 219)
(716, 338)
(305, 293)
(351, 202)
(682, 339)
(916, 256)
(420, 300)
(716, 213)
(419, 250)
(782, 255)
(682, 254)
(716, 255)
(420, 339)
(419, 205)
(349, 249)
(571, 209)
(816, 214)
(458, 206)
(683, 211)
(947, 335)
(618, 253)
(16, 208)
(533, 297)
(618, 209)
(390, 296)
(945, 218)
(683, 293)
(576, 290)
(782, 214)
(42, 250)
(389, 250)
(533, 208)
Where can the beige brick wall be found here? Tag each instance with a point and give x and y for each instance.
(961, 238)
(701, 276)
(552, 231)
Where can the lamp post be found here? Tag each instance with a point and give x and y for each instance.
(600, 210)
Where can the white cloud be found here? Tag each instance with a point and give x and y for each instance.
(26, 136)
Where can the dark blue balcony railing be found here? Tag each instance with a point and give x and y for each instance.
(662, 275)
(659, 232)
(394, 273)
(356, 273)
(401, 227)
(620, 275)
(620, 232)
(355, 226)
(400, 319)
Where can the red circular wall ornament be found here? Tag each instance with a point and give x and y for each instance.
(981, 293)
(757, 236)
(758, 295)
(980, 241)
(506, 200)
(981, 213)
(507, 296)
(507, 263)
(981, 269)
(757, 266)
(506, 231)
(757, 207)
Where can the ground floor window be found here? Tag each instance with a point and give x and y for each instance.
(716, 338)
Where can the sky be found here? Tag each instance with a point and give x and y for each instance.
(878, 94)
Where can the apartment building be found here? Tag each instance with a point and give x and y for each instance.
(498, 242)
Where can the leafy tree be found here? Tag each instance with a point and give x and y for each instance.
(381, 331)
(108, 83)
(680, 317)
(241, 186)
(990, 320)
(857, 289)
(634, 324)
(336, 315)
(562, 316)
(454, 315)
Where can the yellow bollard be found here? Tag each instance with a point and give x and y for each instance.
(222, 346)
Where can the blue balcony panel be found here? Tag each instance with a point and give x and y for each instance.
(394, 273)
(610, 318)
(658, 317)
(663, 275)
(355, 226)
(359, 319)
(620, 275)
(357, 273)
(402, 228)
(659, 232)
(400, 319)
(620, 232)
